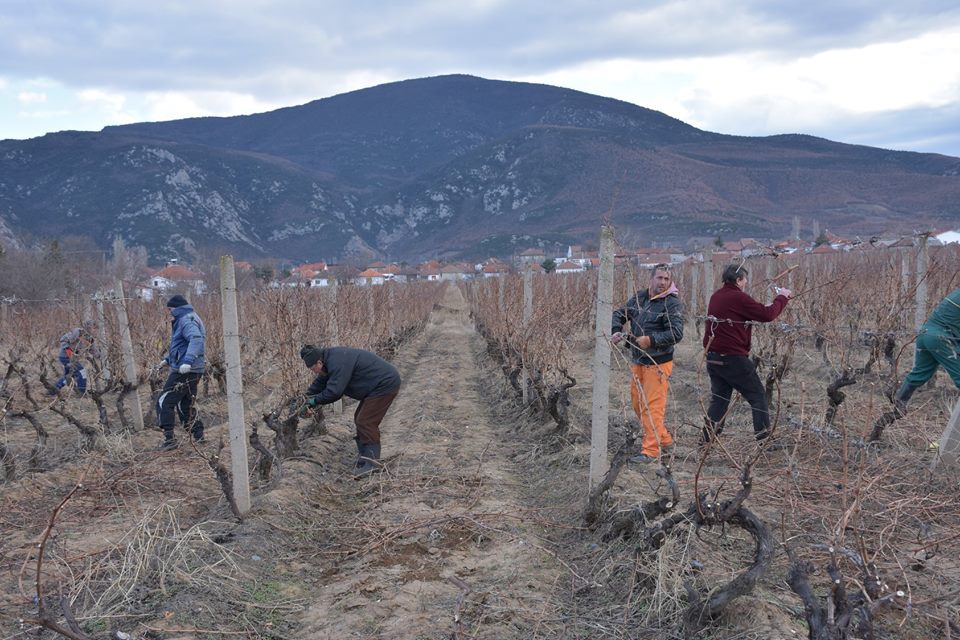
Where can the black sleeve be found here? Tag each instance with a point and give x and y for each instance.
(621, 316)
(339, 366)
(318, 385)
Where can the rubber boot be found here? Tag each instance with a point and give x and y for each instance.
(902, 397)
(361, 453)
(369, 459)
(900, 400)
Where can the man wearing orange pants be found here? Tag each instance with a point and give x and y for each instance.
(655, 318)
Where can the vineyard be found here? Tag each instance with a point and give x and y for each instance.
(483, 523)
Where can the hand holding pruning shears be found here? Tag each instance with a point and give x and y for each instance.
(782, 291)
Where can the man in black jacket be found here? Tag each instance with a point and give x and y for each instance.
(363, 376)
(655, 317)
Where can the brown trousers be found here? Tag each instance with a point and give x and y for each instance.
(370, 413)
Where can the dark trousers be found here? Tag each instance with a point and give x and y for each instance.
(178, 394)
(736, 373)
(369, 415)
(76, 370)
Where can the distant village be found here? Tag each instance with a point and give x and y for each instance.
(179, 277)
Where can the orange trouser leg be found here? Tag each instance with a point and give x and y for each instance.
(648, 391)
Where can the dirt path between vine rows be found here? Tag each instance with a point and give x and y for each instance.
(448, 548)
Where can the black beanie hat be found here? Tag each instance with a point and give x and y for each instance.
(310, 354)
(177, 301)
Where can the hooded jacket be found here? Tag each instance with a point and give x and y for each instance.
(187, 341)
(660, 318)
(77, 340)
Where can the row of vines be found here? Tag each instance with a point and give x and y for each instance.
(274, 324)
(142, 519)
(868, 533)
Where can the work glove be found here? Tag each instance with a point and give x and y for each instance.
(781, 291)
(69, 353)
(184, 369)
(161, 365)
(312, 401)
(616, 338)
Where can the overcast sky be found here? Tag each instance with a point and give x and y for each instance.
(884, 73)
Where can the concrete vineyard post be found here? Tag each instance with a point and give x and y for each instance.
(949, 451)
(904, 272)
(235, 413)
(707, 279)
(101, 329)
(601, 360)
(527, 314)
(335, 333)
(129, 364)
(922, 263)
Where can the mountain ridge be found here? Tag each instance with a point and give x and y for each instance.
(452, 165)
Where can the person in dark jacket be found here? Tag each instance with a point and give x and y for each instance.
(186, 362)
(655, 319)
(74, 345)
(938, 345)
(727, 343)
(357, 374)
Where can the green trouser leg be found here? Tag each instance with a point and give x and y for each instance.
(934, 350)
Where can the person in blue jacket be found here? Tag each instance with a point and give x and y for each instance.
(76, 344)
(186, 362)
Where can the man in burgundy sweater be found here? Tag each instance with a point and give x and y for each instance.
(727, 342)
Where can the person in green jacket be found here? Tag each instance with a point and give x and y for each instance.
(938, 345)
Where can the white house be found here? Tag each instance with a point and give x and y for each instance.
(176, 276)
(569, 266)
(370, 276)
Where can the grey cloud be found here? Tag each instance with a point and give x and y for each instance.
(288, 51)
(929, 129)
(932, 129)
(240, 45)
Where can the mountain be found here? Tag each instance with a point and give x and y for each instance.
(456, 166)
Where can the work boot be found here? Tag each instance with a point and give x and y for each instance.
(169, 444)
